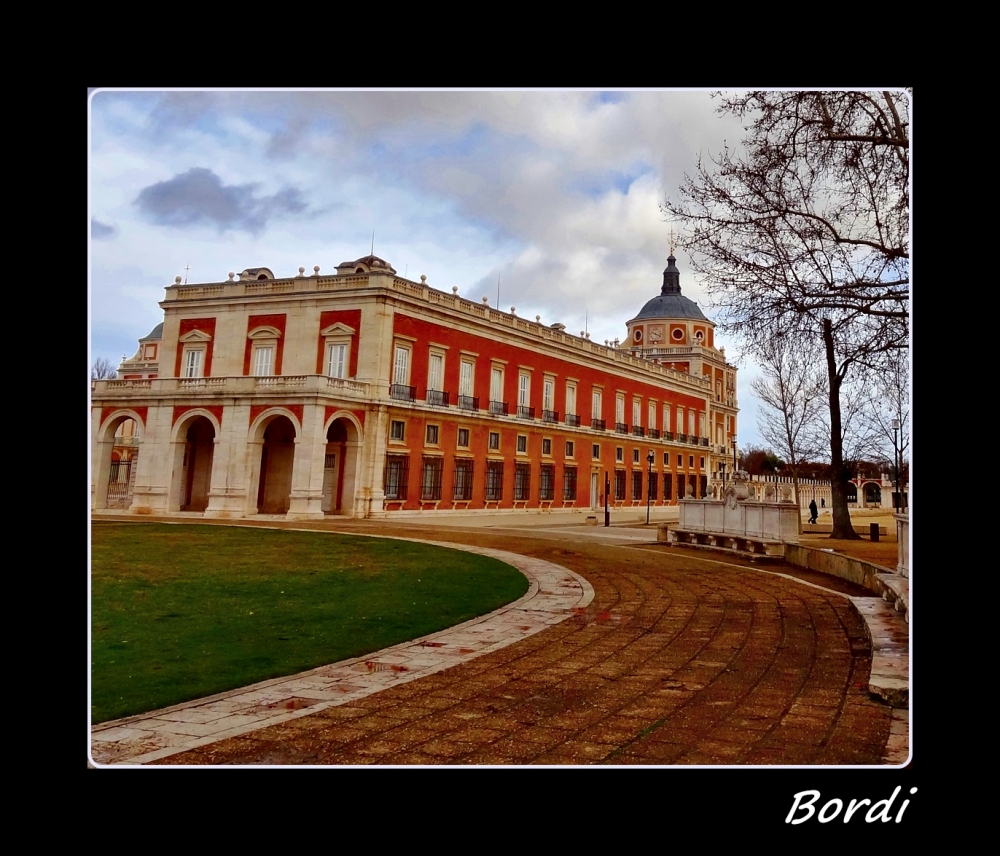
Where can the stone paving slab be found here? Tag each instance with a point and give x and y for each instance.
(553, 593)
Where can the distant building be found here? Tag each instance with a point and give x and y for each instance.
(367, 394)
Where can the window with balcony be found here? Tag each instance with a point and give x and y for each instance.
(466, 400)
(400, 388)
(194, 359)
(263, 360)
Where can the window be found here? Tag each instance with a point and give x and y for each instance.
(336, 360)
(653, 478)
(635, 456)
(636, 411)
(680, 420)
(620, 409)
(702, 463)
(548, 394)
(431, 437)
(547, 483)
(193, 363)
(430, 479)
(494, 481)
(397, 468)
(569, 448)
(691, 461)
(522, 482)
(494, 441)
(571, 399)
(595, 405)
(401, 366)
(397, 431)
(667, 482)
(691, 425)
(337, 339)
(666, 459)
(680, 460)
(435, 372)
(523, 390)
(619, 484)
(465, 378)
(496, 384)
(463, 478)
(652, 415)
(263, 360)
(546, 446)
(595, 451)
(666, 417)
(463, 438)
(637, 484)
(569, 483)
(619, 453)
(522, 444)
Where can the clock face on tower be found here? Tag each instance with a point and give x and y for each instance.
(655, 334)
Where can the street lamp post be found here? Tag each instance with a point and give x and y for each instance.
(896, 498)
(607, 502)
(649, 484)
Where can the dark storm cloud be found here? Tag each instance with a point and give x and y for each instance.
(198, 196)
(99, 230)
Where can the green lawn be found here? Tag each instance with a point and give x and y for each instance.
(184, 611)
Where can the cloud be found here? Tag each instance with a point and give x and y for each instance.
(198, 197)
(99, 230)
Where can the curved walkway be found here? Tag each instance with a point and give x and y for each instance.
(553, 592)
(678, 659)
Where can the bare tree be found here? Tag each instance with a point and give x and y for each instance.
(103, 369)
(792, 388)
(888, 405)
(805, 228)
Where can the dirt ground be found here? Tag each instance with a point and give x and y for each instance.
(884, 552)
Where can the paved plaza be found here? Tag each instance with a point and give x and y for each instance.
(623, 651)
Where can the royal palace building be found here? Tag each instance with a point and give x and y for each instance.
(368, 395)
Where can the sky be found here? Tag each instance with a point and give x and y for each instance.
(556, 193)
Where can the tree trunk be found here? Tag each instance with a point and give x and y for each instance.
(839, 474)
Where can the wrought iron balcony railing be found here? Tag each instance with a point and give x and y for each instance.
(468, 402)
(598, 424)
(402, 392)
(668, 435)
(550, 416)
(638, 431)
(654, 433)
(682, 438)
(621, 428)
(573, 420)
(437, 397)
(525, 412)
(498, 408)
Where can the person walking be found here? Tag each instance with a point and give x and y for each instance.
(813, 511)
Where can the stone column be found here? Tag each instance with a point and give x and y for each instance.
(227, 496)
(306, 499)
(155, 463)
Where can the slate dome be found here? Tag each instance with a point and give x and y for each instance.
(670, 303)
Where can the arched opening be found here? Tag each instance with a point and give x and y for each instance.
(196, 465)
(124, 452)
(277, 455)
(115, 461)
(262, 276)
(873, 494)
(340, 467)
